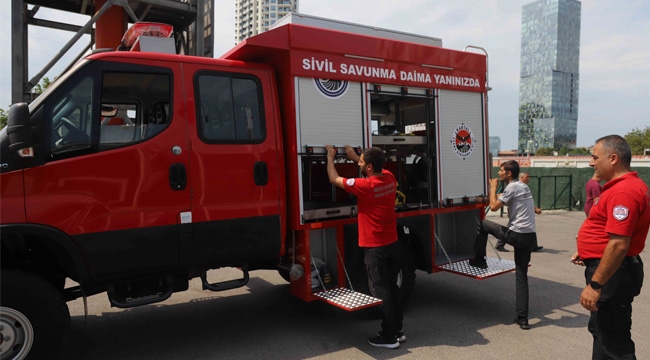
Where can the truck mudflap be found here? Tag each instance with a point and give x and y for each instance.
(348, 299)
(496, 266)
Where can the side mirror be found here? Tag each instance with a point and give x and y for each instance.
(20, 137)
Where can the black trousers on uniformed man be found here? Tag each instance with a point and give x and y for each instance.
(611, 324)
(383, 264)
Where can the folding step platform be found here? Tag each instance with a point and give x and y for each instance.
(348, 299)
(495, 267)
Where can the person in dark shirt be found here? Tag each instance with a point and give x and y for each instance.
(593, 190)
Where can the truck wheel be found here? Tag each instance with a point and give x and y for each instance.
(33, 317)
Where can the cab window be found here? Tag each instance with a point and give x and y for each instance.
(95, 111)
(71, 117)
(228, 108)
(134, 107)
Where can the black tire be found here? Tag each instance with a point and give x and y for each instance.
(33, 311)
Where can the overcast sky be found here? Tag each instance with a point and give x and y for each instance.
(614, 52)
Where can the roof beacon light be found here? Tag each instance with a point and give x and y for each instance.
(147, 29)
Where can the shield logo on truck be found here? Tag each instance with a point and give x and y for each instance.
(331, 88)
(463, 141)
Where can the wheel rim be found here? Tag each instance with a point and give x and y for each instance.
(17, 334)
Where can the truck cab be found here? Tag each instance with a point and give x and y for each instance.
(138, 171)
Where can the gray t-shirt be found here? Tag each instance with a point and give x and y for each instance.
(521, 207)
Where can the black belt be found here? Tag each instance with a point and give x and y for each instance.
(626, 260)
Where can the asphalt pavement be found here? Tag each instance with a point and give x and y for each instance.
(449, 317)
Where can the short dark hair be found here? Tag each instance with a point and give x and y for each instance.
(513, 167)
(375, 157)
(615, 144)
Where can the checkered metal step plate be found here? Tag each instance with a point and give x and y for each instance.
(347, 299)
(495, 267)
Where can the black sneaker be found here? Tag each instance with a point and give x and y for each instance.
(478, 263)
(523, 323)
(501, 248)
(380, 341)
(400, 335)
(538, 248)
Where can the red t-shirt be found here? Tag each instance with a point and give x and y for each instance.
(376, 204)
(622, 209)
(593, 190)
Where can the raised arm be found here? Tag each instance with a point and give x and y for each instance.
(331, 169)
(495, 204)
(352, 155)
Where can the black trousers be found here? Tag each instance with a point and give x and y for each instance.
(524, 243)
(383, 264)
(610, 325)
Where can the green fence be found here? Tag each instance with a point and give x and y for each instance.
(563, 188)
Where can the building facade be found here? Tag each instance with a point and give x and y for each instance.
(253, 17)
(495, 145)
(549, 75)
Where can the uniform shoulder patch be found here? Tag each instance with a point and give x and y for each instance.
(620, 212)
(350, 182)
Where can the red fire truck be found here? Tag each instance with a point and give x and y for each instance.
(138, 171)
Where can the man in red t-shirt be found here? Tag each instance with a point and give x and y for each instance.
(377, 223)
(593, 190)
(609, 243)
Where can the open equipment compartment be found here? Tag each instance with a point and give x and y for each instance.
(324, 259)
(403, 125)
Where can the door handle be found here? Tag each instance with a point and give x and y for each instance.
(177, 177)
(260, 173)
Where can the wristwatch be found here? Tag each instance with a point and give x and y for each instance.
(595, 285)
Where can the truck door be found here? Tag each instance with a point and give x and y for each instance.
(461, 146)
(235, 166)
(114, 150)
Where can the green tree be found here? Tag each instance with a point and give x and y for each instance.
(638, 139)
(40, 87)
(3, 118)
(544, 152)
(580, 151)
(563, 150)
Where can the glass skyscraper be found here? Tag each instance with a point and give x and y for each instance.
(549, 75)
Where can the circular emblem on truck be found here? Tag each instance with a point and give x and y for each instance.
(331, 88)
(463, 141)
